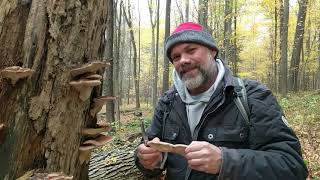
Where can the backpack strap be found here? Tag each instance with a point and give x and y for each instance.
(241, 100)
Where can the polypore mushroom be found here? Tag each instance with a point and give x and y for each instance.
(91, 132)
(167, 147)
(98, 104)
(88, 145)
(92, 67)
(91, 76)
(84, 87)
(14, 73)
(85, 154)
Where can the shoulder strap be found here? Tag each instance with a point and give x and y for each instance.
(241, 100)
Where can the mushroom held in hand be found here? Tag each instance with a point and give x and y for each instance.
(167, 147)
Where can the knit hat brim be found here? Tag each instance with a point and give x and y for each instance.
(190, 36)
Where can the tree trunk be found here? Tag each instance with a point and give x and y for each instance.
(153, 52)
(318, 71)
(110, 59)
(165, 82)
(284, 17)
(155, 82)
(133, 42)
(116, 165)
(117, 69)
(43, 115)
(187, 9)
(297, 46)
(203, 14)
(227, 49)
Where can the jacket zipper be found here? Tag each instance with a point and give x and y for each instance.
(196, 132)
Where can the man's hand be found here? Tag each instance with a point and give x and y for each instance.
(148, 157)
(203, 156)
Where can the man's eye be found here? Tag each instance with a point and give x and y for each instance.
(175, 58)
(192, 50)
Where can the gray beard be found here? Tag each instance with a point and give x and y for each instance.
(195, 82)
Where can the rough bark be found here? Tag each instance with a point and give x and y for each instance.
(43, 115)
(117, 164)
(203, 13)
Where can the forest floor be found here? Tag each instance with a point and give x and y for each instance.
(302, 112)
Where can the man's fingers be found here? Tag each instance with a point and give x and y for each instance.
(195, 146)
(196, 162)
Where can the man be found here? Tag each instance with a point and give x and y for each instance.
(200, 112)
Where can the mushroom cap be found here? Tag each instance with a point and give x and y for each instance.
(98, 104)
(91, 67)
(167, 147)
(91, 76)
(14, 73)
(79, 84)
(84, 87)
(94, 131)
(98, 141)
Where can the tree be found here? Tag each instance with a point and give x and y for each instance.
(128, 18)
(108, 75)
(297, 46)
(284, 18)
(203, 13)
(42, 115)
(165, 82)
(227, 46)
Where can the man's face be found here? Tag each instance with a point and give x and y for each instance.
(194, 63)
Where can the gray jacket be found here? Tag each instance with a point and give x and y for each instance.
(267, 150)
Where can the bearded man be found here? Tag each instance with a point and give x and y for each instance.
(199, 111)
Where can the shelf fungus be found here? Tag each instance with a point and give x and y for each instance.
(84, 87)
(14, 73)
(98, 104)
(95, 139)
(92, 67)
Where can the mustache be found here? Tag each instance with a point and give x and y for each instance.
(185, 68)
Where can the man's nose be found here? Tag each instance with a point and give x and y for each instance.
(185, 59)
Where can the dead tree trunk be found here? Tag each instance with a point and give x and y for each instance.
(42, 115)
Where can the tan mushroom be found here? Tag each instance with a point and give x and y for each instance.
(167, 147)
(88, 145)
(98, 141)
(91, 76)
(85, 154)
(92, 132)
(84, 87)
(92, 67)
(15, 73)
(98, 104)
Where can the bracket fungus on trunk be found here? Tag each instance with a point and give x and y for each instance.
(14, 73)
(96, 139)
(98, 104)
(84, 87)
(86, 78)
(88, 68)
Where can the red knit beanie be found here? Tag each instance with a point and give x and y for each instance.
(189, 32)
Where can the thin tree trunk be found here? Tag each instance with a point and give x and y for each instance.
(203, 13)
(109, 91)
(187, 10)
(155, 85)
(165, 81)
(133, 42)
(43, 115)
(284, 17)
(297, 46)
(227, 31)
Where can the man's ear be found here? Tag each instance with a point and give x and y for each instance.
(213, 53)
